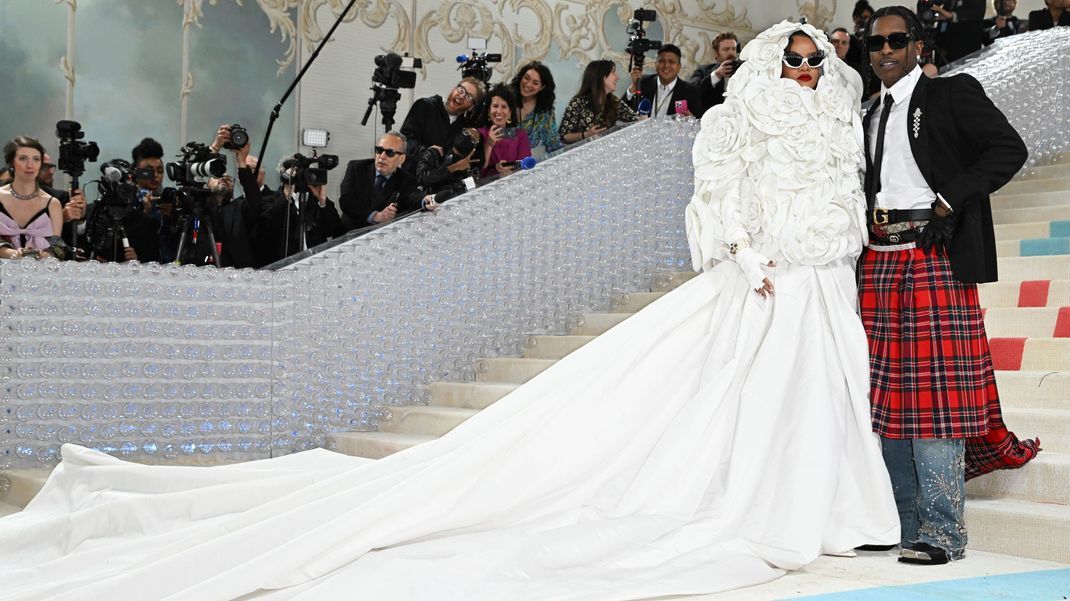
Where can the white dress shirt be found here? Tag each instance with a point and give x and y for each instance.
(663, 98)
(902, 184)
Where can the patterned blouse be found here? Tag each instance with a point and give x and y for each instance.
(541, 127)
(580, 116)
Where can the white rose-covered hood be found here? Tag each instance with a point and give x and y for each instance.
(778, 164)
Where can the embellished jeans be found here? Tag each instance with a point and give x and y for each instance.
(929, 484)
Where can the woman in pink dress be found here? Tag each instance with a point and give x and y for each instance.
(31, 219)
(504, 141)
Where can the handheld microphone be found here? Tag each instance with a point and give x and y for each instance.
(644, 107)
(524, 163)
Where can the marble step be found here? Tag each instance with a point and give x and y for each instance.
(1027, 322)
(1019, 527)
(1055, 170)
(1033, 247)
(1031, 214)
(553, 347)
(633, 302)
(666, 281)
(1030, 354)
(1028, 200)
(431, 420)
(1035, 268)
(1034, 293)
(1033, 230)
(1052, 426)
(375, 445)
(1045, 479)
(1033, 390)
(19, 487)
(511, 370)
(468, 395)
(594, 324)
(1034, 185)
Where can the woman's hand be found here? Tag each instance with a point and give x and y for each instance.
(75, 207)
(495, 134)
(594, 130)
(504, 169)
(751, 262)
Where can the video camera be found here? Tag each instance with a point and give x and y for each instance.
(310, 171)
(392, 72)
(477, 65)
(638, 44)
(73, 153)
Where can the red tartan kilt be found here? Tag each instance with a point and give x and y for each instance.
(930, 368)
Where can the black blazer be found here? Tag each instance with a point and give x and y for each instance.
(428, 124)
(648, 87)
(711, 95)
(358, 200)
(1041, 19)
(966, 150)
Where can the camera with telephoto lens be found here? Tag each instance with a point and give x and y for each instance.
(310, 171)
(927, 14)
(638, 43)
(73, 152)
(238, 138)
(196, 164)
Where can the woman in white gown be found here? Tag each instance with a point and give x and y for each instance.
(714, 440)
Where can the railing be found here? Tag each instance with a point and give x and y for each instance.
(168, 364)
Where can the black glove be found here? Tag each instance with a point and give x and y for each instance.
(937, 234)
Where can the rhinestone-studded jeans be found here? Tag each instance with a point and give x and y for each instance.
(929, 484)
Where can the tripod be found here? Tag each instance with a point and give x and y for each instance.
(192, 224)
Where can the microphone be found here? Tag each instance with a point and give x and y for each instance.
(644, 107)
(462, 58)
(524, 163)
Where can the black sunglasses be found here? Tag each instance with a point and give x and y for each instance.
(895, 41)
(389, 152)
(796, 61)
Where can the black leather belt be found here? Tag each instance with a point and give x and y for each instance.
(880, 216)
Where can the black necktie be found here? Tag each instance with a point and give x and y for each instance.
(380, 181)
(878, 154)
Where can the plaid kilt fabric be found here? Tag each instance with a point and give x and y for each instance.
(931, 371)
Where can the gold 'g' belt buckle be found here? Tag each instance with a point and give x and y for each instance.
(881, 217)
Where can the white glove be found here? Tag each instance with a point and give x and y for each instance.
(751, 262)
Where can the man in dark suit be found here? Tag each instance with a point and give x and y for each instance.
(666, 90)
(433, 121)
(936, 149)
(1056, 14)
(711, 79)
(1004, 24)
(377, 190)
(958, 28)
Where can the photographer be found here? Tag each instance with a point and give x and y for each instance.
(957, 25)
(442, 174)
(711, 79)
(377, 190)
(73, 203)
(666, 91)
(433, 121)
(150, 229)
(1056, 14)
(30, 218)
(235, 219)
(1004, 24)
(290, 225)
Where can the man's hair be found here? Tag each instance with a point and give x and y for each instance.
(860, 7)
(673, 49)
(913, 23)
(147, 149)
(844, 29)
(399, 136)
(20, 142)
(481, 88)
(725, 35)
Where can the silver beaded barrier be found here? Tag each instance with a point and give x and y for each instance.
(197, 365)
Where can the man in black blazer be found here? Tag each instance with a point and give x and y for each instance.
(433, 121)
(710, 80)
(665, 89)
(936, 149)
(377, 190)
(1004, 24)
(1055, 14)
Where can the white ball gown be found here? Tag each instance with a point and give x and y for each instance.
(712, 441)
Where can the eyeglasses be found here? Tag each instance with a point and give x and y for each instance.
(389, 152)
(796, 61)
(895, 41)
(48, 166)
(465, 94)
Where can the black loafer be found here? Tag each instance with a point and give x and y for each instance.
(875, 547)
(923, 554)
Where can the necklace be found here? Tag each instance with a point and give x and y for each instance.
(29, 196)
